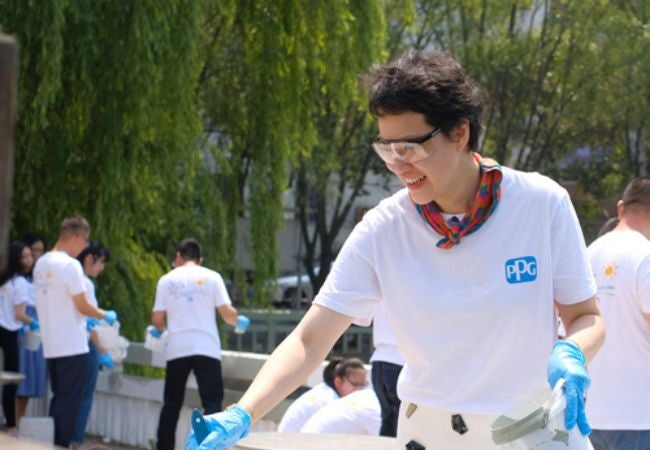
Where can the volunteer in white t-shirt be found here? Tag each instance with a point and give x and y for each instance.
(340, 378)
(186, 299)
(62, 307)
(14, 296)
(357, 413)
(618, 404)
(470, 259)
(92, 260)
(387, 363)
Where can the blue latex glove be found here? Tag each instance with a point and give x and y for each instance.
(226, 428)
(91, 323)
(34, 325)
(110, 317)
(154, 332)
(242, 324)
(106, 360)
(567, 361)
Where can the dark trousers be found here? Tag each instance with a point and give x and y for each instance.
(68, 376)
(208, 377)
(384, 383)
(620, 439)
(9, 345)
(87, 398)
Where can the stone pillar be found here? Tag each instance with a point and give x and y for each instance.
(8, 88)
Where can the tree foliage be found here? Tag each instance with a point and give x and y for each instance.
(106, 128)
(160, 120)
(265, 95)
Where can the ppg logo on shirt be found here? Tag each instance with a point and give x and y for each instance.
(521, 270)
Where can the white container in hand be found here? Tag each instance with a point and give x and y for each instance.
(111, 341)
(32, 339)
(155, 344)
(538, 423)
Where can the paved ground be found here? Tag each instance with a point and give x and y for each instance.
(95, 443)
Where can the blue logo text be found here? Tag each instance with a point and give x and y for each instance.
(521, 270)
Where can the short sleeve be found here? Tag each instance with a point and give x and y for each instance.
(73, 277)
(573, 280)
(20, 291)
(221, 298)
(162, 296)
(643, 284)
(352, 287)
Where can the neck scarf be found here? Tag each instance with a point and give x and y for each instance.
(485, 202)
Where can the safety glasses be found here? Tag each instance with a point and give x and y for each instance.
(409, 151)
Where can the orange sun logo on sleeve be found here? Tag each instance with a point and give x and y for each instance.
(610, 270)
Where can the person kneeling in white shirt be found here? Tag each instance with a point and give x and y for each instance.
(340, 378)
(358, 413)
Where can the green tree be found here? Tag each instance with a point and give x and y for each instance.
(107, 128)
(264, 94)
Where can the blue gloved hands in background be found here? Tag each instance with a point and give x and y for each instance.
(567, 361)
(110, 316)
(154, 332)
(106, 360)
(226, 428)
(91, 323)
(34, 325)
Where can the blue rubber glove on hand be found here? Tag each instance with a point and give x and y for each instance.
(567, 361)
(106, 360)
(242, 324)
(110, 317)
(91, 323)
(34, 325)
(226, 428)
(154, 332)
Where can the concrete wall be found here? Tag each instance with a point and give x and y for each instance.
(126, 408)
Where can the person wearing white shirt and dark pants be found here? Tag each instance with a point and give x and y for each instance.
(186, 299)
(62, 307)
(618, 402)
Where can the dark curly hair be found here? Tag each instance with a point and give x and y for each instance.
(432, 84)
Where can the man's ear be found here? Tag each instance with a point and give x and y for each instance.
(620, 207)
(460, 133)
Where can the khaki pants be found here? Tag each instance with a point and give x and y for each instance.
(433, 429)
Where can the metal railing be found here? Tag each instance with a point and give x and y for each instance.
(269, 327)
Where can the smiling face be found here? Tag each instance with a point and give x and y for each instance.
(26, 260)
(436, 177)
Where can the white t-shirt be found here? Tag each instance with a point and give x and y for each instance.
(31, 294)
(356, 413)
(305, 406)
(189, 294)
(619, 397)
(474, 323)
(90, 291)
(57, 278)
(383, 338)
(13, 293)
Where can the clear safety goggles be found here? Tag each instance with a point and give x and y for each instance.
(409, 151)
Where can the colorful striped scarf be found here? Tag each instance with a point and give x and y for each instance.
(485, 202)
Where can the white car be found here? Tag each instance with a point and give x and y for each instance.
(294, 290)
